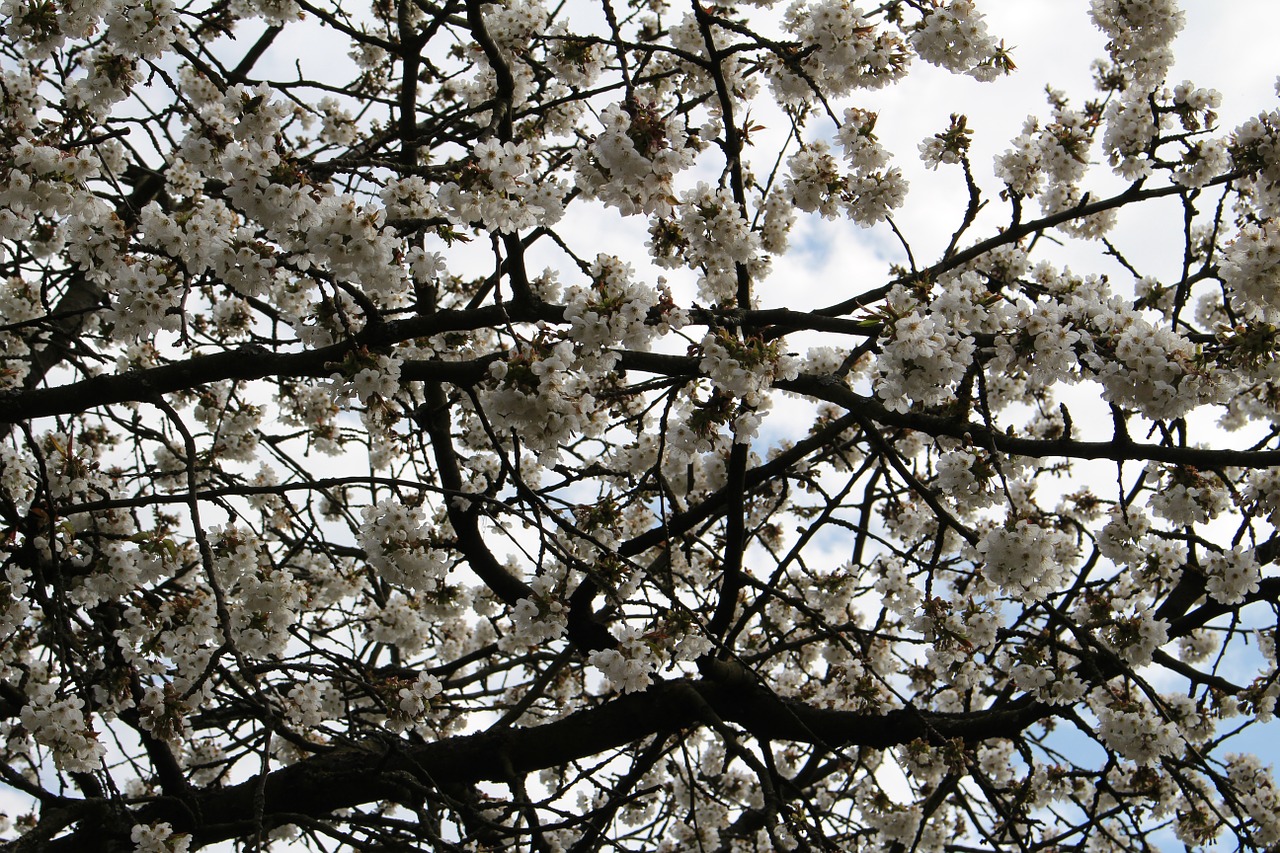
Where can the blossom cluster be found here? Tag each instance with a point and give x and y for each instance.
(158, 838)
(1048, 161)
(367, 377)
(955, 37)
(629, 667)
(1140, 32)
(632, 163)
(866, 195)
(614, 311)
(842, 50)
(1251, 268)
(1133, 730)
(1029, 560)
(59, 723)
(1232, 575)
(712, 236)
(920, 363)
(397, 541)
(541, 390)
(499, 188)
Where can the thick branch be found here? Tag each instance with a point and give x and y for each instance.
(382, 771)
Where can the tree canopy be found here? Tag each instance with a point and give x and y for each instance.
(353, 497)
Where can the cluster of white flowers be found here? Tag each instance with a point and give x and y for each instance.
(1019, 167)
(715, 238)
(127, 568)
(858, 140)
(935, 151)
(955, 37)
(133, 31)
(538, 620)
(35, 160)
(249, 116)
(1131, 126)
(339, 125)
(400, 621)
(779, 217)
(1153, 369)
(374, 375)
(335, 232)
(1027, 559)
(70, 472)
(1042, 346)
(1185, 496)
(313, 408)
(499, 188)
(20, 302)
(1063, 144)
(163, 713)
(1251, 268)
(867, 195)
(158, 838)
(230, 421)
(541, 391)
(426, 267)
(841, 51)
(1202, 159)
(1260, 494)
(270, 602)
(1134, 729)
(966, 477)
(23, 101)
(1049, 684)
(629, 667)
(356, 247)
(613, 311)
(632, 163)
(14, 609)
(33, 28)
(397, 543)
(577, 63)
(311, 703)
(872, 196)
(903, 825)
(1256, 788)
(410, 197)
(745, 370)
(1231, 575)
(270, 596)
(276, 12)
(1194, 718)
(1058, 151)
(412, 701)
(146, 303)
(512, 25)
(1197, 646)
(814, 182)
(1255, 148)
(141, 29)
(1135, 638)
(59, 723)
(920, 363)
(1140, 33)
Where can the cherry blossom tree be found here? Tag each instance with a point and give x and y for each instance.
(354, 498)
